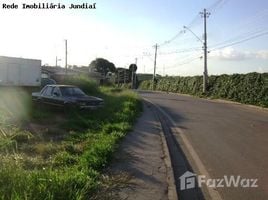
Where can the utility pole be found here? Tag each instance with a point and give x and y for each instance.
(66, 63)
(205, 15)
(155, 56)
(57, 59)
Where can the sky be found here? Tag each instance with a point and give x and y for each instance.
(121, 31)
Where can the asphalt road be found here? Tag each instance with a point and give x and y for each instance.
(229, 139)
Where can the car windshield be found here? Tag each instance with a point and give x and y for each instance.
(71, 91)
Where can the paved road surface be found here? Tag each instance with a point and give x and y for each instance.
(230, 139)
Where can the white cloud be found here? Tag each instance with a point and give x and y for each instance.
(232, 54)
(262, 54)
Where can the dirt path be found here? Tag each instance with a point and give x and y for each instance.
(141, 159)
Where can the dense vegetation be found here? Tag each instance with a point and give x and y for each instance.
(46, 154)
(249, 88)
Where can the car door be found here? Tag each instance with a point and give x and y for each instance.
(57, 97)
(39, 98)
(47, 95)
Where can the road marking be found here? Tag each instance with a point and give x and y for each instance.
(201, 167)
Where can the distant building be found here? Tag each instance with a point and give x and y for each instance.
(58, 73)
(123, 75)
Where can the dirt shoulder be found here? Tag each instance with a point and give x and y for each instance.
(139, 170)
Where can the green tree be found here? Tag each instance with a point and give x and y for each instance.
(102, 65)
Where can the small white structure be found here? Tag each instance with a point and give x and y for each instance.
(19, 72)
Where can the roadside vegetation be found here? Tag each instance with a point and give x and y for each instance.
(48, 154)
(249, 88)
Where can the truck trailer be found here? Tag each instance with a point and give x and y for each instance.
(20, 72)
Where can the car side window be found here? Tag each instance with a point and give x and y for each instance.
(48, 91)
(43, 91)
(56, 92)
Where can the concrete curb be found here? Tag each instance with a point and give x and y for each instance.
(172, 191)
(182, 164)
(218, 100)
(237, 103)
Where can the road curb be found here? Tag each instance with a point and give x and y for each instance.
(172, 191)
(178, 159)
(180, 162)
(218, 100)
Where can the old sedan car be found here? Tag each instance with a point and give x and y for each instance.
(66, 96)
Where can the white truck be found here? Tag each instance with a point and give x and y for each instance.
(19, 72)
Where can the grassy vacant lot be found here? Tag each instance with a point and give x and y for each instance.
(47, 154)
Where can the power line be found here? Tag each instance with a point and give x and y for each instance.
(241, 41)
(189, 58)
(238, 37)
(253, 20)
(258, 19)
(217, 5)
(194, 21)
(180, 51)
(185, 62)
(181, 32)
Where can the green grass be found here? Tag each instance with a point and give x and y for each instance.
(50, 155)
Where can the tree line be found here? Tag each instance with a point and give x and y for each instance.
(104, 66)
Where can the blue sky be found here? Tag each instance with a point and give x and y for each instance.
(121, 31)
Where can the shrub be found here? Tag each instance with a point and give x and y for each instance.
(83, 82)
(249, 88)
